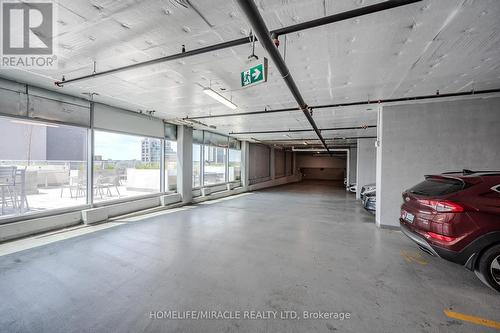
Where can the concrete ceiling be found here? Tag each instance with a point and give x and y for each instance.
(445, 45)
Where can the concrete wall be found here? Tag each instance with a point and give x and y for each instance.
(429, 138)
(321, 167)
(312, 161)
(259, 163)
(366, 163)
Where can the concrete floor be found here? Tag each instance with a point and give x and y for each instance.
(301, 247)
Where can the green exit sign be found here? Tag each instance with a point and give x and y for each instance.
(255, 74)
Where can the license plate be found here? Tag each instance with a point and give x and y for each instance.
(408, 217)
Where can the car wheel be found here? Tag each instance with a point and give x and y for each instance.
(488, 269)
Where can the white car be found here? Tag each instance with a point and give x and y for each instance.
(367, 189)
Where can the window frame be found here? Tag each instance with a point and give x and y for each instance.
(57, 211)
(103, 203)
(90, 201)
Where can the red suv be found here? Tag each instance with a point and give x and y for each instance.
(456, 216)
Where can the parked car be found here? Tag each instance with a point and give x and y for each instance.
(370, 201)
(365, 189)
(456, 216)
(352, 188)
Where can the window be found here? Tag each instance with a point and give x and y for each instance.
(437, 186)
(234, 165)
(196, 165)
(42, 167)
(170, 165)
(214, 169)
(125, 165)
(221, 157)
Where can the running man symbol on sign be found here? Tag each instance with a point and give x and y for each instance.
(255, 74)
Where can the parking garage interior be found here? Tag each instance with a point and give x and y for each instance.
(247, 166)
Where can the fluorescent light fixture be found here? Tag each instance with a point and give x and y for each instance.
(24, 122)
(219, 98)
(309, 150)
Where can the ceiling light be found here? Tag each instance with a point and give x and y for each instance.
(24, 122)
(219, 98)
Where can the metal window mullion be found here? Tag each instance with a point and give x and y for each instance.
(90, 158)
(202, 160)
(163, 169)
(226, 162)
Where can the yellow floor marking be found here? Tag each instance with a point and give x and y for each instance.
(472, 319)
(413, 257)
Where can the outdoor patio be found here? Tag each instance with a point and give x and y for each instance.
(52, 198)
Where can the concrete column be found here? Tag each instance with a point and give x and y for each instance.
(185, 162)
(294, 163)
(272, 163)
(245, 163)
(352, 165)
(366, 163)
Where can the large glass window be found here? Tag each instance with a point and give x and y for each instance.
(170, 165)
(234, 165)
(214, 169)
(42, 167)
(125, 165)
(196, 165)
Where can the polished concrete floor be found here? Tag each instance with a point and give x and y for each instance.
(301, 247)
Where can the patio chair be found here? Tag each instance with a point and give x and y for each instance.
(20, 190)
(8, 187)
(105, 183)
(77, 184)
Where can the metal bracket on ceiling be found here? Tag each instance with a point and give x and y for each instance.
(253, 56)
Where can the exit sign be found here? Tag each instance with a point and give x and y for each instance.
(255, 74)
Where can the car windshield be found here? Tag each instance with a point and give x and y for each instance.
(437, 187)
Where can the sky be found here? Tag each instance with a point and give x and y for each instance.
(117, 146)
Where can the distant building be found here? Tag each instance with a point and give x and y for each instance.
(150, 150)
(41, 143)
(170, 151)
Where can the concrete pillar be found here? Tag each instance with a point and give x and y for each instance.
(245, 163)
(366, 163)
(294, 163)
(352, 165)
(185, 162)
(272, 163)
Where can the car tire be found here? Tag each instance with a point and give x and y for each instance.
(488, 268)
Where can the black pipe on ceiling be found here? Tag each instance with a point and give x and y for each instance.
(343, 16)
(336, 105)
(245, 40)
(304, 130)
(259, 27)
(326, 139)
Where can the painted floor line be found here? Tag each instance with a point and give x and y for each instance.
(410, 257)
(472, 319)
